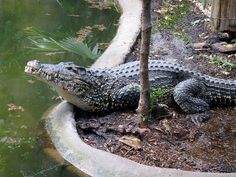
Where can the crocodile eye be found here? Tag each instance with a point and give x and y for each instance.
(69, 68)
(80, 70)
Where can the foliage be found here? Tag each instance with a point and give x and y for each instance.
(154, 95)
(172, 12)
(170, 15)
(220, 61)
(157, 93)
(144, 118)
(44, 43)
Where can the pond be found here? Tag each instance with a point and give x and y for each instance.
(23, 100)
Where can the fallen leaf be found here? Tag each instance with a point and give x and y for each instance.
(166, 125)
(224, 48)
(31, 81)
(131, 141)
(161, 11)
(73, 15)
(99, 5)
(83, 33)
(13, 107)
(100, 27)
(225, 73)
(199, 45)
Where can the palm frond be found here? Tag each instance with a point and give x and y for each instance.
(45, 43)
(72, 45)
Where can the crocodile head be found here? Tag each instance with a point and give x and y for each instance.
(69, 80)
(57, 74)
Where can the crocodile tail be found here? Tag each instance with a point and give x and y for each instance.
(220, 92)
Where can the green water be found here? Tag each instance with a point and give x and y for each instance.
(21, 153)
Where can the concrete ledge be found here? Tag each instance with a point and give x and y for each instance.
(61, 128)
(60, 123)
(128, 30)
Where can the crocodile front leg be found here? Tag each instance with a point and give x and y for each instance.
(126, 97)
(188, 95)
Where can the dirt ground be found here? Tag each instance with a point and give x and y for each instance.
(173, 141)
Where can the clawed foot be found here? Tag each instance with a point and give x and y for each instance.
(163, 111)
(198, 118)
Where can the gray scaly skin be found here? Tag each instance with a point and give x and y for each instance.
(117, 88)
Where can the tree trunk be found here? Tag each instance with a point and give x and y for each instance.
(223, 15)
(144, 102)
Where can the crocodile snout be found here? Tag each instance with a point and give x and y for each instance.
(32, 66)
(34, 63)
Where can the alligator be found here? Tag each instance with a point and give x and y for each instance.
(110, 89)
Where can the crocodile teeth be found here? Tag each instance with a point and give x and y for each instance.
(28, 69)
(48, 77)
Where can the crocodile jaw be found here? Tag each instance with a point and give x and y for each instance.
(75, 100)
(45, 72)
(49, 73)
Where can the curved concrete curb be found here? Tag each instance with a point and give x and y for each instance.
(60, 123)
(97, 163)
(128, 30)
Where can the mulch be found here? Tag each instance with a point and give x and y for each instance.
(172, 141)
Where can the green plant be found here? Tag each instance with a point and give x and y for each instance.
(172, 13)
(157, 93)
(144, 118)
(43, 42)
(220, 61)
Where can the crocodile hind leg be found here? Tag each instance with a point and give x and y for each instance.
(188, 95)
(126, 97)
